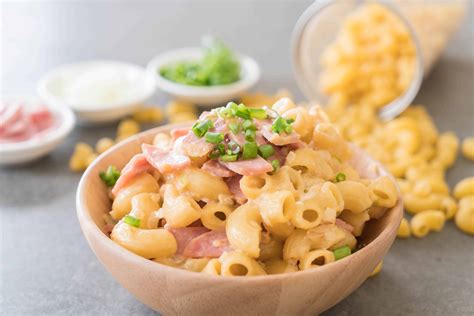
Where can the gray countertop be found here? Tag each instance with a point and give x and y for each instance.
(46, 266)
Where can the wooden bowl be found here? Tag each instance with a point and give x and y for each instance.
(173, 291)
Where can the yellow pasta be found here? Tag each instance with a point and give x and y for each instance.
(123, 200)
(296, 245)
(148, 243)
(178, 210)
(404, 230)
(214, 215)
(213, 267)
(316, 258)
(127, 128)
(465, 216)
(383, 192)
(426, 221)
(467, 148)
(239, 264)
(464, 188)
(276, 207)
(190, 182)
(356, 196)
(104, 144)
(243, 229)
(377, 269)
(148, 115)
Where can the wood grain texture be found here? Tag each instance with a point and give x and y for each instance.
(173, 291)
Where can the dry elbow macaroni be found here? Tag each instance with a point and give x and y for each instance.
(298, 202)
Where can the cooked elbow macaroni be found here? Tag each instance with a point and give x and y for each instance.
(203, 201)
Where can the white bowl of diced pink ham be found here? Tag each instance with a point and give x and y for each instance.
(30, 130)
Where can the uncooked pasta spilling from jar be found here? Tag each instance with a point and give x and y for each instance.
(372, 60)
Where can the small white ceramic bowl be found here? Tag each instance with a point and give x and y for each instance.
(205, 96)
(35, 148)
(53, 86)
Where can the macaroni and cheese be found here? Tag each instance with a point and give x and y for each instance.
(247, 191)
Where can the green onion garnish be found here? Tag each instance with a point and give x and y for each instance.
(110, 176)
(342, 252)
(248, 124)
(233, 147)
(229, 158)
(281, 125)
(214, 154)
(131, 220)
(225, 113)
(266, 151)
(290, 120)
(214, 138)
(275, 165)
(234, 127)
(250, 135)
(250, 150)
(242, 111)
(259, 114)
(340, 177)
(200, 128)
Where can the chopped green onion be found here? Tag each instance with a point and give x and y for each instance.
(259, 114)
(290, 120)
(266, 151)
(279, 125)
(214, 138)
(275, 165)
(214, 154)
(232, 106)
(229, 158)
(250, 135)
(225, 113)
(234, 127)
(341, 252)
(131, 220)
(110, 176)
(242, 111)
(340, 176)
(250, 150)
(200, 128)
(248, 124)
(233, 147)
(220, 148)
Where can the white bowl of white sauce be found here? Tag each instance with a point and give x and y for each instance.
(97, 91)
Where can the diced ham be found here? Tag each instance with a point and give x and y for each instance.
(178, 132)
(251, 167)
(137, 165)
(215, 168)
(184, 235)
(342, 224)
(41, 118)
(192, 146)
(234, 187)
(13, 113)
(165, 161)
(220, 126)
(279, 139)
(210, 245)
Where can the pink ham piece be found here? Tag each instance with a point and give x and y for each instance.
(192, 146)
(209, 245)
(165, 161)
(251, 167)
(185, 235)
(137, 165)
(178, 132)
(340, 223)
(234, 187)
(277, 139)
(215, 168)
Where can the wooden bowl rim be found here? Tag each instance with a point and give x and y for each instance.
(88, 226)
